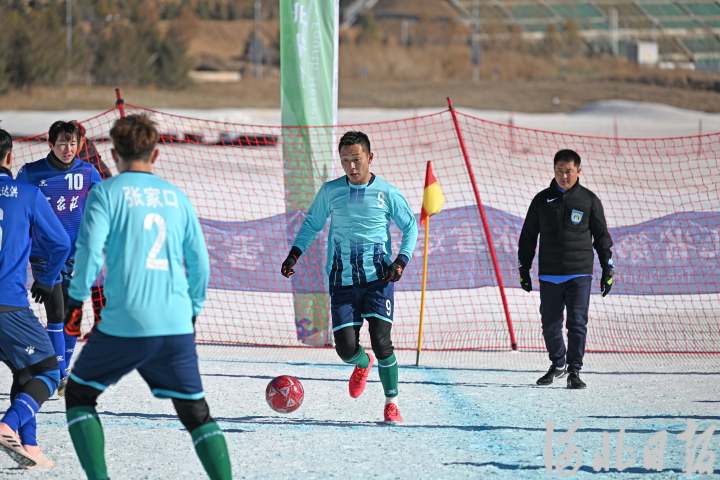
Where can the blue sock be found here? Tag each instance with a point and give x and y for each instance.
(57, 338)
(70, 342)
(28, 432)
(22, 409)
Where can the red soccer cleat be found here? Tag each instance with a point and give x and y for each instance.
(392, 414)
(358, 379)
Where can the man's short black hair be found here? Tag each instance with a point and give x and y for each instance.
(134, 137)
(64, 129)
(567, 155)
(5, 144)
(355, 138)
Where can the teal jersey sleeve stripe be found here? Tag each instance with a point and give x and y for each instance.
(314, 221)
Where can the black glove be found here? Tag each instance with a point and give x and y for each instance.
(40, 293)
(73, 317)
(525, 282)
(394, 271)
(606, 282)
(292, 258)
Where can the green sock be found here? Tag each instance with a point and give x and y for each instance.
(211, 448)
(388, 369)
(87, 436)
(360, 359)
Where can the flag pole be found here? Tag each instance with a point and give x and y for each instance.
(422, 294)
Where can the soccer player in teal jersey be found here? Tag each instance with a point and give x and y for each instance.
(157, 276)
(360, 268)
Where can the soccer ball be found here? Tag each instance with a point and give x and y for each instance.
(284, 394)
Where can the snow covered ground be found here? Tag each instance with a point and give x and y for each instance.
(478, 415)
(605, 118)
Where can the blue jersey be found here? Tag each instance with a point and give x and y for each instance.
(359, 243)
(65, 190)
(23, 209)
(154, 250)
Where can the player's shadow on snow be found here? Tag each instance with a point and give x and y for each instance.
(584, 468)
(404, 382)
(14, 470)
(533, 371)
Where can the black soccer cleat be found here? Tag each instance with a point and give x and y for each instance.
(573, 380)
(553, 373)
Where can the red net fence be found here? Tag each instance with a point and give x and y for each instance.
(251, 184)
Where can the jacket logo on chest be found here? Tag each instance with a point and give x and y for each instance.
(576, 217)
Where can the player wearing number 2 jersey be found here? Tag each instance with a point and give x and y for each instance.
(157, 276)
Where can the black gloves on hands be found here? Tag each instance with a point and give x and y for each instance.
(73, 317)
(393, 273)
(395, 270)
(606, 282)
(525, 282)
(40, 293)
(292, 258)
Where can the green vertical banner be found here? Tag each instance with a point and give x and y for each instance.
(308, 94)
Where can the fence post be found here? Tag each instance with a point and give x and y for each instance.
(486, 225)
(119, 103)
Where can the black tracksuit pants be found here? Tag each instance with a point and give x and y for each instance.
(573, 296)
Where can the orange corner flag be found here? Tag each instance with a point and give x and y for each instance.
(433, 198)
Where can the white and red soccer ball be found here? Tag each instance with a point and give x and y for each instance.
(284, 394)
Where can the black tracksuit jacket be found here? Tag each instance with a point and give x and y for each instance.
(570, 225)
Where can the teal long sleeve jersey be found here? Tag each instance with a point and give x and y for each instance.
(359, 243)
(158, 269)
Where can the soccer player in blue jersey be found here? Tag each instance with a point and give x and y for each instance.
(24, 345)
(157, 276)
(360, 268)
(65, 181)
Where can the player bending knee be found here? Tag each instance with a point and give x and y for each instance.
(39, 380)
(79, 395)
(346, 345)
(192, 413)
(380, 339)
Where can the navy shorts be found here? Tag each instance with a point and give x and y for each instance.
(351, 305)
(23, 340)
(168, 364)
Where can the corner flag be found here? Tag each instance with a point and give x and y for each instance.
(433, 201)
(433, 198)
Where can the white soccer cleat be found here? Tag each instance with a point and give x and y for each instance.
(42, 462)
(10, 443)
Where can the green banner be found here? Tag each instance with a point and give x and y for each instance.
(308, 95)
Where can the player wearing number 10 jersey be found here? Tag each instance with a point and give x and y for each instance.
(65, 181)
(157, 277)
